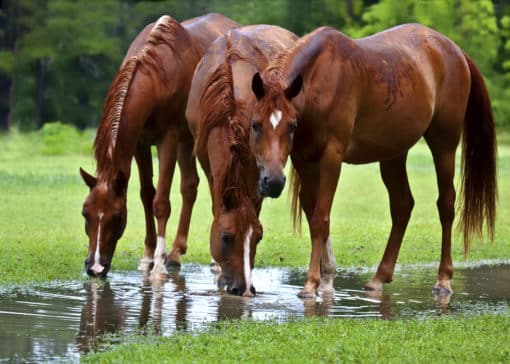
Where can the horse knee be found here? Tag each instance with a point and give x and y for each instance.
(161, 208)
(147, 195)
(189, 189)
(319, 227)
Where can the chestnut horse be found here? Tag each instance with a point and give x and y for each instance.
(219, 113)
(370, 100)
(145, 106)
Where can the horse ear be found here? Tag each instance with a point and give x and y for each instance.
(120, 184)
(294, 88)
(257, 86)
(89, 180)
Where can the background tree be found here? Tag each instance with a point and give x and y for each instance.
(58, 57)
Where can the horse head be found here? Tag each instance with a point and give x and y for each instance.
(236, 230)
(235, 234)
(105, 216)
(273, 125)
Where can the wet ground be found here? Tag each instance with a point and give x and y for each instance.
(64, 320)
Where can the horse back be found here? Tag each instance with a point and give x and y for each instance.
(390, 87)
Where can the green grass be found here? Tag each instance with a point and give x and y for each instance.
(481, 339)
(42, 234)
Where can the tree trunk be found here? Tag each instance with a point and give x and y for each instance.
(42, 76)
(7, 41)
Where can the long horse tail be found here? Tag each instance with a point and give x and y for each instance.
(479, 184)
(295, 204)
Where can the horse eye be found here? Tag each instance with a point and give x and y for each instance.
(226, 238)
(256, 126)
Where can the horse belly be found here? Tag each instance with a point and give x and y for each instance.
(382, 139)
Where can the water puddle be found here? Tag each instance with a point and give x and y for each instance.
(64, 320)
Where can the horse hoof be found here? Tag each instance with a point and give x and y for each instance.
(306, 294)
(173, 259)
(373, 285)
(159, 276)
(441, 290)
(215, 267)
(442, 287)
(172, 263)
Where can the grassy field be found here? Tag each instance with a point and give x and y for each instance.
(42, 239)
(329, 341)
(42, 234)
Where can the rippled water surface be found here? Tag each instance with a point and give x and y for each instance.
(63, 320)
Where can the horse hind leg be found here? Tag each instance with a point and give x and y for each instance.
(395, 179)
(444, 160)
(147, 192)
(189, 186)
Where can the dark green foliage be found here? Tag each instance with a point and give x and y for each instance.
(58, 57)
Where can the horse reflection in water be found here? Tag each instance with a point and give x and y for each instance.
(104, 313)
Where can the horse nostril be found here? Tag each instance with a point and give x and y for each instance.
(265, 180)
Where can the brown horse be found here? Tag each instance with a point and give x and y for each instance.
(145, 106)
(369, 100)
(219, 113)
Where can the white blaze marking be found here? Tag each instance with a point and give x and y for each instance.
(275, 118)
(97, 267)
(247, 266)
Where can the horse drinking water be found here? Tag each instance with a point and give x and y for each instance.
(219, 113)
(145, 106)
(331, 99)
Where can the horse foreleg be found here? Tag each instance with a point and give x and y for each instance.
(147, 192)
(189, 185)
(395, 179)
(167, 154)
(318, 210)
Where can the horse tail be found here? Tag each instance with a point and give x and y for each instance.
(295, 204)
(479, 184)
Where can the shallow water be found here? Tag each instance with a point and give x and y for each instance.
(64, 320)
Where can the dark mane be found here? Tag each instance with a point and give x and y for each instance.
(221, 109)
(166, 32)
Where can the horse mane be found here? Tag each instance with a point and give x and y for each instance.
(221, 109)
(166, 32)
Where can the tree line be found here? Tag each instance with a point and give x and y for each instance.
(58, 57)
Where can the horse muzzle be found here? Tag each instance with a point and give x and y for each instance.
(271, 185)
(241, 291)
(94, 271)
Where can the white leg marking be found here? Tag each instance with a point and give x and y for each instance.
(97, 267)
(275, 118)
(247, 265)
(159, 257)
(145, 264)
